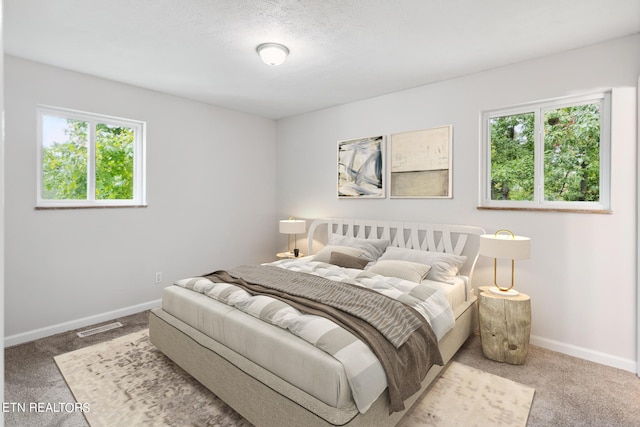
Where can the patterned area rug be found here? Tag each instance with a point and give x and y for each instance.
(465, 396)
(127, 381)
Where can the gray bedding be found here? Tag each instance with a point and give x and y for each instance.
(393, 319)
(405, 366)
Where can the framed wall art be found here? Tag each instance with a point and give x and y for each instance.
(421, 164)
(361, 172)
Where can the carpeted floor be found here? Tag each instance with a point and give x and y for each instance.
(569, 391)
(127, 381)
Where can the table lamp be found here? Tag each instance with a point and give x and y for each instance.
(504, 245)
(290, 227)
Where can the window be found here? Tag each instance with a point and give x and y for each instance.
(89, 160)
(548, 155)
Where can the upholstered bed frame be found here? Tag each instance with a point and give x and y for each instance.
(266, 400)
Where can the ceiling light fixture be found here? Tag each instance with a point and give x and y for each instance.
(272, 53)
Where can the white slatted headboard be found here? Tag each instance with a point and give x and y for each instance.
(454, 239)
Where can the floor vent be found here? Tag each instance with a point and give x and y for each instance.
(99, 329)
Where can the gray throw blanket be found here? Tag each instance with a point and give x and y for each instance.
(349, 306)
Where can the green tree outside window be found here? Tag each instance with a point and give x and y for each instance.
(570, 148)
(65, 163)
(89, 160)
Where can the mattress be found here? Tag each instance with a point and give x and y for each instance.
(298, 362)
(280, 352)
(457, 292)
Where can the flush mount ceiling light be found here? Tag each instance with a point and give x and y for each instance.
(272, 53)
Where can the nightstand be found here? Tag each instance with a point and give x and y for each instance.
(288, 255)
(505, 326)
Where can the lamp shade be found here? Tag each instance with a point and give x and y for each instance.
(506, 246)
(272, 53)
(292, 226)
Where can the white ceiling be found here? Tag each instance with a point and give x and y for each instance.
(341, 50)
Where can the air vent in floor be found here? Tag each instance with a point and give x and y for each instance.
(99, 329)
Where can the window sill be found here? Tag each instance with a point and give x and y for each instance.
(53, 208)
(582, 211)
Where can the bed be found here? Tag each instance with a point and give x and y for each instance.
(270, 360)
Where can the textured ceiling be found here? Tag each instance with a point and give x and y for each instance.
(341, 50)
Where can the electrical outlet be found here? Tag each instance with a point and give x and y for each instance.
(158, 276)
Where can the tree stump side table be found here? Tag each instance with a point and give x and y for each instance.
(505, 326)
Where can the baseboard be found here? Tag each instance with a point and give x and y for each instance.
(78, 323)
(584, 353)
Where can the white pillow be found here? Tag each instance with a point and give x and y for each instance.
(406, 270)
(371, 248)
(325, 253)
(443, 266)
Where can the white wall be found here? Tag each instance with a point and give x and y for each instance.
(210, 171)
(210, 187)
(581, 276)
(2, 165)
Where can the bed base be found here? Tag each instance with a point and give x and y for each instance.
(261, 397)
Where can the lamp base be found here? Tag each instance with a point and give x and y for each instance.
(509, 293)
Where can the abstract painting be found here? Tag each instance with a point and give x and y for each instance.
(361, 168)
(421, 163)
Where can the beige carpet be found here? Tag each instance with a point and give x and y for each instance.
(127, 381)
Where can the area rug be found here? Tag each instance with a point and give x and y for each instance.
(465, 396)
(127, 381)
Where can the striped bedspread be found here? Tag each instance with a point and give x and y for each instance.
(428, 301)
(364, 371)
(392, 318)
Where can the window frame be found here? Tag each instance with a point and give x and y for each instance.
(538, 109)
(139, 161)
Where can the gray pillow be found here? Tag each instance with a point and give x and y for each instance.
(347, 261)
(371, 248)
